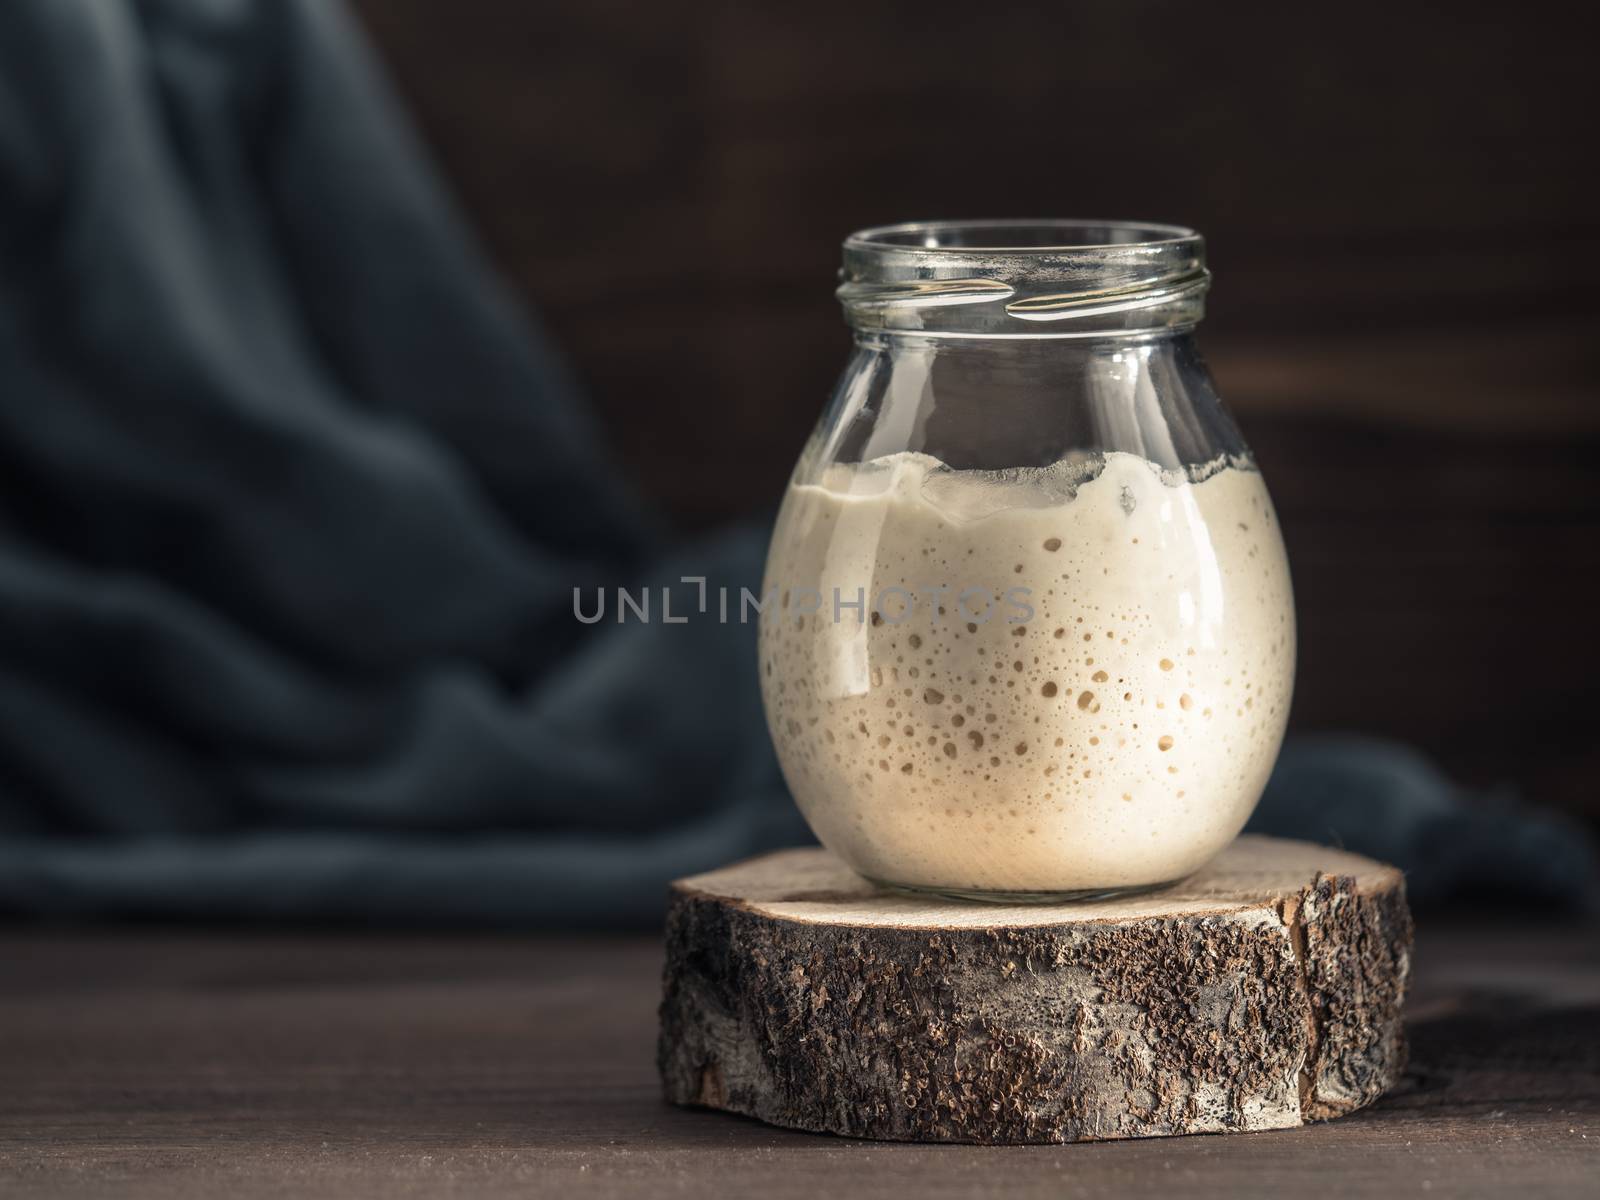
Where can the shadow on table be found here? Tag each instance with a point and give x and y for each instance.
(1498, 1050)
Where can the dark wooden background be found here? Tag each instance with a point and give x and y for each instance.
(1401, 224)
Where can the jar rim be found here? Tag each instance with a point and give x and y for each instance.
(1018, 235)
(1010, 277)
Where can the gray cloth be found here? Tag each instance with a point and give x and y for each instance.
(292, 501)
(1387, 801)
(292, 504)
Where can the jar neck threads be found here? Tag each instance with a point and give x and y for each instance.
(1023, 279)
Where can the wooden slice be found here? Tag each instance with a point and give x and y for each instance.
(1261, 993)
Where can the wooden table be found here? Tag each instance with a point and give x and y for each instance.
(230, 1064)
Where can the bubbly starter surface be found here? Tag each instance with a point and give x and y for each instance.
(1117, 735)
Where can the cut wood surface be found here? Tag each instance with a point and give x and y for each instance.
(1263, 992)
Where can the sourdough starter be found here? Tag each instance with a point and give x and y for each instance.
(1109, 720)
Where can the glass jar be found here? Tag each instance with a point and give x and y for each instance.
(1029, 630)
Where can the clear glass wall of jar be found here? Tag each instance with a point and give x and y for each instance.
(1031, 632)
